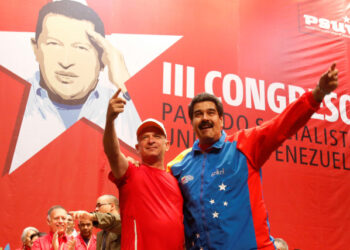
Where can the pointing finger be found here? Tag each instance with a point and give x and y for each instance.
(116, 94)
(333, 66)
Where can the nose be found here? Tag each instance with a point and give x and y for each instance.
(66, 59)
(205, 116)
(151, 139)
(65, 66)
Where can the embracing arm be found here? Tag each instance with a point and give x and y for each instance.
(116, 158)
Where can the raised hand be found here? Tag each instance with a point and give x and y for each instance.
(115, 106)
(117, 72)
(81, 215)
(55, 243)
(327, 83)
(71, 244)
(329, 80)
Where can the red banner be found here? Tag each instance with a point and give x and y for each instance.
(257, 56)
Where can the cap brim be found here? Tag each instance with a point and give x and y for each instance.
(147, 124)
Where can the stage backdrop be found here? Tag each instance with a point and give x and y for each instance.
(257, 56)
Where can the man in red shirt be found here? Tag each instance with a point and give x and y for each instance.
(56, 239)
(150, 199)
(86, 240)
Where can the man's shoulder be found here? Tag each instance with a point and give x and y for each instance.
(179, 157)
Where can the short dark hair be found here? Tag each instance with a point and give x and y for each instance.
(54, 208)
(202, 97)
(70, 9)
(73, 10)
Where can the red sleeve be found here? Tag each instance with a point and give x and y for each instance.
(258, 143)
(121, 181)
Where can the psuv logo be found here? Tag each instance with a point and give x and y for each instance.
(339, 28)
(186, 178)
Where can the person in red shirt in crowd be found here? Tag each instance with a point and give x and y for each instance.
(29, 235)
(149, 196)
(56, 239)
(86, 240)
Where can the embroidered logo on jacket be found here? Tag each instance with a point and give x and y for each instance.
(186, 179)
(218, 172)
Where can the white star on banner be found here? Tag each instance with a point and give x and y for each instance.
(225, 203)
(215, 215)
(138, 51)
(346, 19)
(222, 187)
(212, 201)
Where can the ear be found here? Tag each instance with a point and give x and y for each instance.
(34, 47)
(221, 122)
(48, 221)
(167, 145)
(137, 147)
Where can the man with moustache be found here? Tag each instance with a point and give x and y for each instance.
(227, 210)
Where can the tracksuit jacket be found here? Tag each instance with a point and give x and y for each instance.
(221, 186)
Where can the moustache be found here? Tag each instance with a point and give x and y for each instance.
(205, 124)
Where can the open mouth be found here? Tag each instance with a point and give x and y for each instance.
(205, 125)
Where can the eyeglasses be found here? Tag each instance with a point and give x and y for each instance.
(98, 205)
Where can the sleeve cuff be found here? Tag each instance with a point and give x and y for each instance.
(313, 103)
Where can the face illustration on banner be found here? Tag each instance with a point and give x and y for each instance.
(69, 63)
(70, 82)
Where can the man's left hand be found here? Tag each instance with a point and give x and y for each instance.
(328, 83)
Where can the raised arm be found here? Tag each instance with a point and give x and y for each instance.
(105, 221)
(259, 142)
(116, 158)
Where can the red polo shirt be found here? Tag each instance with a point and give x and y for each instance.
(81, 245)
(150, 208)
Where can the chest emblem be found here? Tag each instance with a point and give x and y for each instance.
(186, 179)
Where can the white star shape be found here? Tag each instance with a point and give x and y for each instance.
(346, 19)
(138, 50)
(212, 201)
(222, 187)
(215, 215)
(225, 203)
